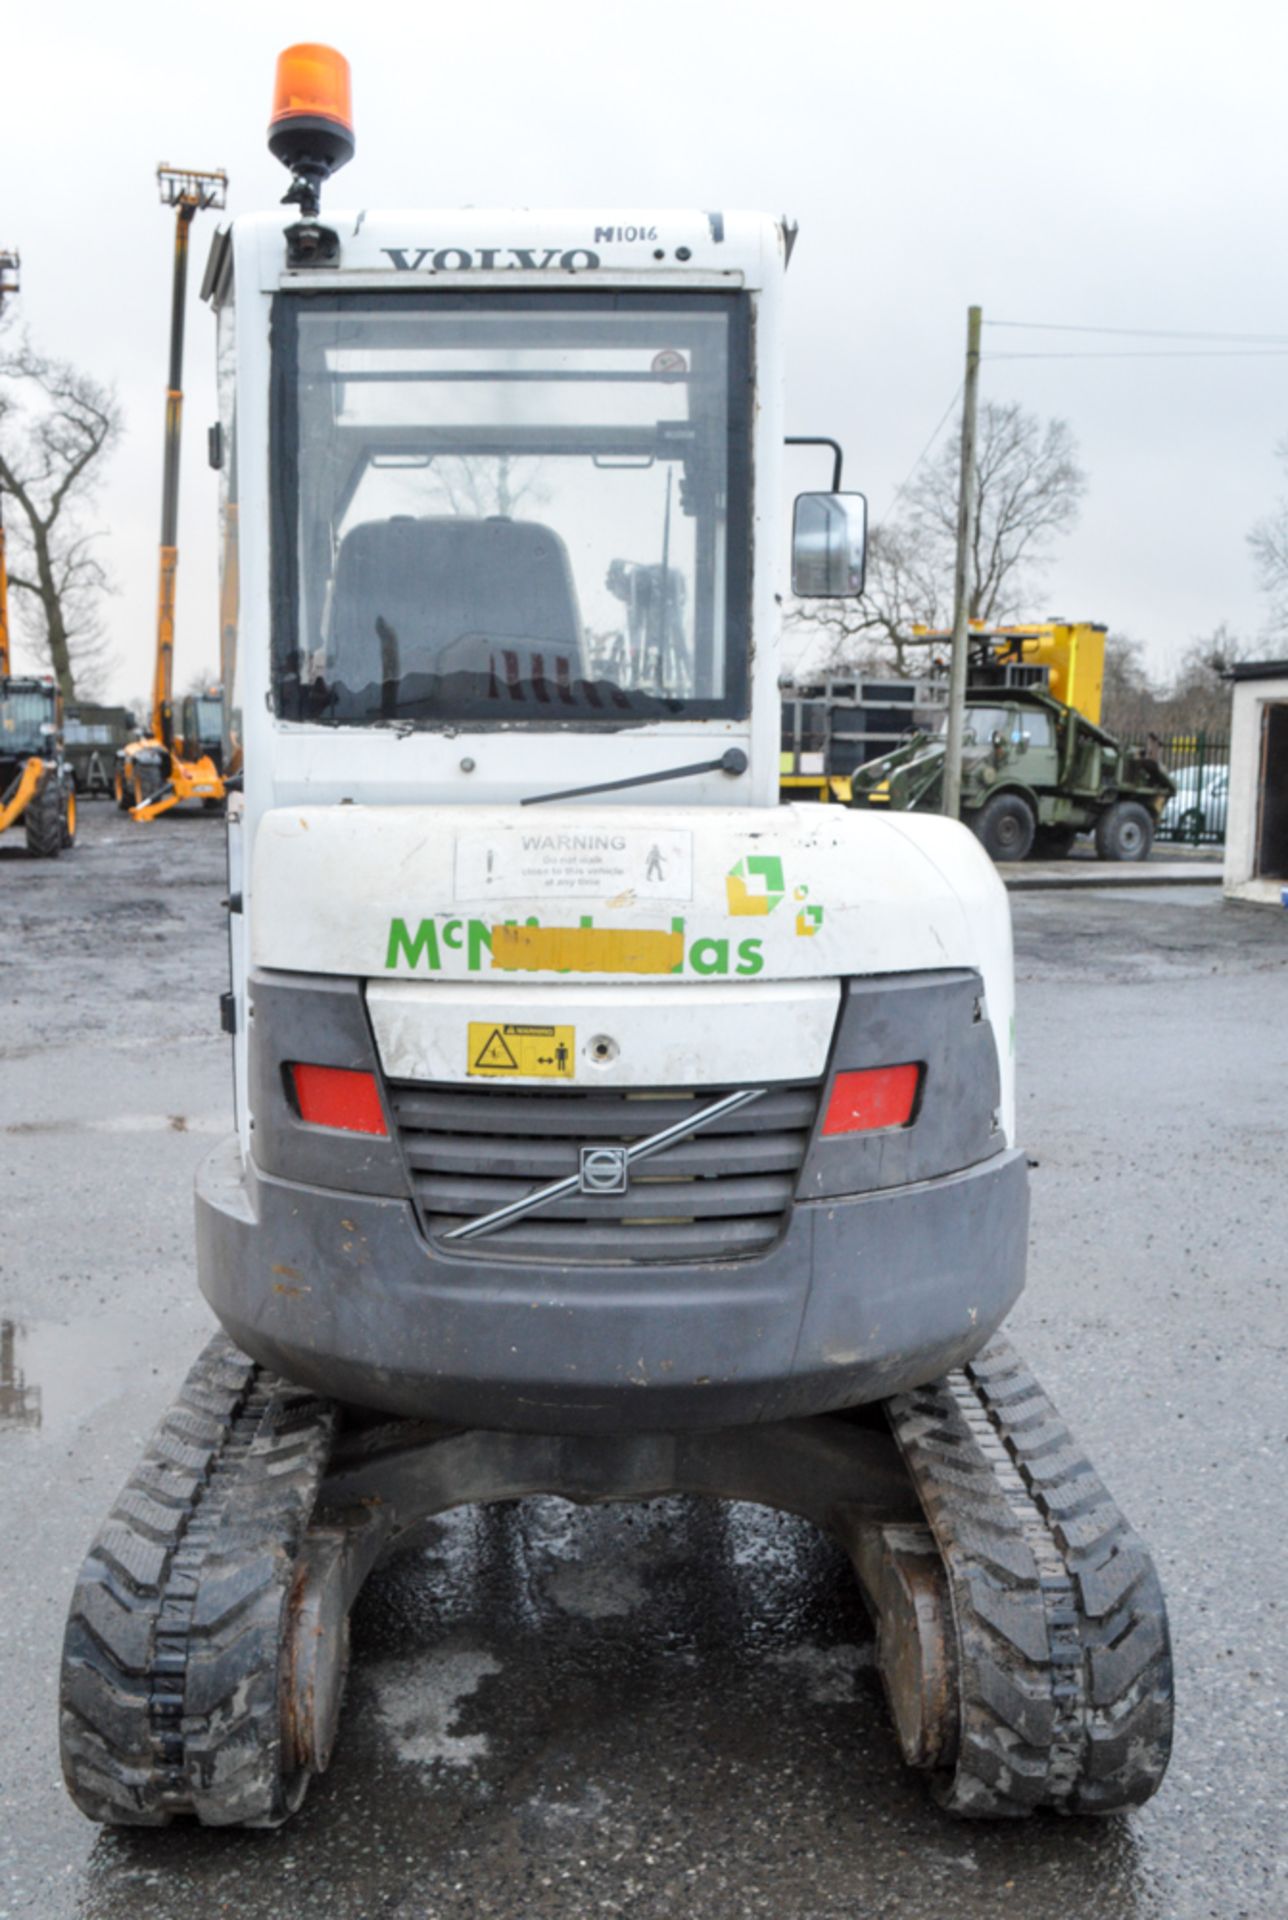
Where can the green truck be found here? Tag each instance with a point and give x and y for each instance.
(1035, 774)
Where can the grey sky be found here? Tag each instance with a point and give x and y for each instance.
(1110, 165)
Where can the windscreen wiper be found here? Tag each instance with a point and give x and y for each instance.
(732, 760)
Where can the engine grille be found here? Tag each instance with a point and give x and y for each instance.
(720, 1195)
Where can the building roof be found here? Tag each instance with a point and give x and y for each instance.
(1257, 670)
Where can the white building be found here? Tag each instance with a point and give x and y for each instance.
(1256, 840)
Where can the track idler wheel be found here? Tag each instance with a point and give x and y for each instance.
(915, 1654)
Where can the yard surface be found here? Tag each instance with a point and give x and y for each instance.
(668, 1710)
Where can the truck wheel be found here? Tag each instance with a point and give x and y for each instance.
(44, 820)
(68, 830)
(1054, 843)
(1005, 825)
(121, 788)
(1125, 832)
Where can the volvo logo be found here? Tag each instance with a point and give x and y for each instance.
(603, 1170)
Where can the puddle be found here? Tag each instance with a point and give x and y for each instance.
(420, 1706)
(51, 1377)
(828, 1673)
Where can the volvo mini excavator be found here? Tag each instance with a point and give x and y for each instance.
(604, 1127)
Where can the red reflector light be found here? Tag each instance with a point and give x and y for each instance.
(875, 1097)
(337, 1097)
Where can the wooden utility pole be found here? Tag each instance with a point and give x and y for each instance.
(967, 514)
(9, 265)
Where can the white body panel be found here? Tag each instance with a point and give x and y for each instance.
(345, 830)
(629, 1034)
(373, 893)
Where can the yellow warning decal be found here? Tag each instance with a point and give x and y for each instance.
(535, 1053)
(587, 949)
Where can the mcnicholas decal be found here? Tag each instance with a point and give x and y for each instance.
(442, 945)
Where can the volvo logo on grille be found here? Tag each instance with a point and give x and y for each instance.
(603, 1170)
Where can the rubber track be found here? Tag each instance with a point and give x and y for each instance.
(170, 1688)
(1065, 1661)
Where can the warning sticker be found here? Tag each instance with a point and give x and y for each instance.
(535, 1053)
(614, 866)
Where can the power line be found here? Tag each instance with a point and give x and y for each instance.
(1143, 333)
(1148, 353)
(907, 480)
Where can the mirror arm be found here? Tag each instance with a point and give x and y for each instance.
(817, 440)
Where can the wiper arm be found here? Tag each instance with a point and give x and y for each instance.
(732, 760)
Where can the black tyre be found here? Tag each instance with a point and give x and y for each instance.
(69, 815)
(1005, 825)
(1125, 832)
(44, 820)
(145, 782)
(1054, 843)
(121, 787)
(1191, 825)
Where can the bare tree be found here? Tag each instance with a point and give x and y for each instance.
(1030, 493)
(483, 486)
(1269, 542)
(1135, 705)
(1130, 700)
(56, 426)
(1198, 700)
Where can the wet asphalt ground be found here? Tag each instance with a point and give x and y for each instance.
(666, 1710)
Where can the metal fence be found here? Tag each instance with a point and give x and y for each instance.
(1199, 765)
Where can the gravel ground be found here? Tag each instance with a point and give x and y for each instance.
(667, 1710)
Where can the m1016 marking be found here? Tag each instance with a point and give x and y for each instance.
(609, 234)
(491, 259)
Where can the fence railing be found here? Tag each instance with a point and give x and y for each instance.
(1199, 764)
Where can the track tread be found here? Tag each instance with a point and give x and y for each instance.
(170, 1688)
(1066, 1678)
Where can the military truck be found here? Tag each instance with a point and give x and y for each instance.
(1035, 774)
(92, 737)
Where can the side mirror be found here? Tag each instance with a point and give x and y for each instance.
(829, 545)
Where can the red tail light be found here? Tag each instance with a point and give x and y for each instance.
(337, 1097)
(875, 1097)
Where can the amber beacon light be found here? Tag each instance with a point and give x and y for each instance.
(311, 129)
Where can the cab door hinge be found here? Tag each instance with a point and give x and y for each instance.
(228, 1012)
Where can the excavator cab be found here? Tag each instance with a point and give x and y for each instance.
(36, 783)
(201, 727)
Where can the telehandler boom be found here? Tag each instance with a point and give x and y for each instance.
(603, 1126)
(160, 771)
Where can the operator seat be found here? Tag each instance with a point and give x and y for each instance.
(491, 599)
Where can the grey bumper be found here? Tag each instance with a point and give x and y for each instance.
(860, 1298)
